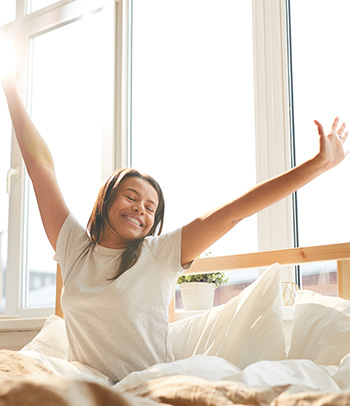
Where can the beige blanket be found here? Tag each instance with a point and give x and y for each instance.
(13, 363)
(26, 382)
(189, 391)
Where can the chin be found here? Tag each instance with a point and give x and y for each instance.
(133, 237)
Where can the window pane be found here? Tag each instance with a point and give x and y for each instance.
(321, 84)
(5, 131)
(66, 108)
(7, 11)
(320, 92)
(193, 108)
(39, 4)
(320, 277)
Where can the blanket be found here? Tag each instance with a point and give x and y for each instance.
(27, 382)
(191, 391)
(175, 390)
(13, 363)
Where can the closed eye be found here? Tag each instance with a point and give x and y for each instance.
(131, 198)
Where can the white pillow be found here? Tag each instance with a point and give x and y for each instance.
(201, 366)
(320, 329)
(51, 340)
(247, 329)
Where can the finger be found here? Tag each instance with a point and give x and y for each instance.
(319, 127)
(345, 136)
(341, 129)
(335, 124)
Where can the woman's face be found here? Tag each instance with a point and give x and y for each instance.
(131, 213)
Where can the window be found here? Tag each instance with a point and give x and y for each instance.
(64, 60)
(208, 86)
(7, 11)
(192, 121)
(193, 108)
(67, 82)
(176, 99)
(35, 5)
(318, 38)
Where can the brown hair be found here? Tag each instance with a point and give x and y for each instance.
(99, 220)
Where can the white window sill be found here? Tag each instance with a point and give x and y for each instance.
(16, 332)
(21, 324)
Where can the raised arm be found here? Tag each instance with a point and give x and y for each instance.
(200, 234)
(39, 163)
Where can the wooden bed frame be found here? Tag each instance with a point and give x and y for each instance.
(289, 256)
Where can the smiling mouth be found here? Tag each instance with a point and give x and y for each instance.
(133, 220)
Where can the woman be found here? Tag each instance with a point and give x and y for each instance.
(119, 276)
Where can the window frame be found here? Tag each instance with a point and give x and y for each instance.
(273, 120)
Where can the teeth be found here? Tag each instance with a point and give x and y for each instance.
(133, 220)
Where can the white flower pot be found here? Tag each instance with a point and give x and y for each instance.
(197, 295)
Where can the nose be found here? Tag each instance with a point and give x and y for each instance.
(138, 208)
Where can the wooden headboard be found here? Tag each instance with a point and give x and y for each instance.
(289, 256)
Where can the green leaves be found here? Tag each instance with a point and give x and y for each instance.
(218, 278)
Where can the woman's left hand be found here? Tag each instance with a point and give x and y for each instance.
(332, 150)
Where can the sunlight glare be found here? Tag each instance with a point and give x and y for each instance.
(8, 59)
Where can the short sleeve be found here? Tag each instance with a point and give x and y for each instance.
(71, 243)
(166, 249)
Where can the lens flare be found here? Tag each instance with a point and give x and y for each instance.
(8, 58)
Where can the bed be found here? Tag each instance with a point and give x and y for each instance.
(235, 354)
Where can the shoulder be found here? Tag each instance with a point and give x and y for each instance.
(72, 237)
(166, 248)
(164, 241)
(71, 227)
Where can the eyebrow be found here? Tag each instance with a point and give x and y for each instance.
(135, 191)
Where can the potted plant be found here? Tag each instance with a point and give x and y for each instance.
(198, 290)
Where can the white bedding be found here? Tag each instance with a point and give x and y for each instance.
(242, 343)
(66, 368)
(300, 375)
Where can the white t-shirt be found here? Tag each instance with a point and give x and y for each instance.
(117, 326)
